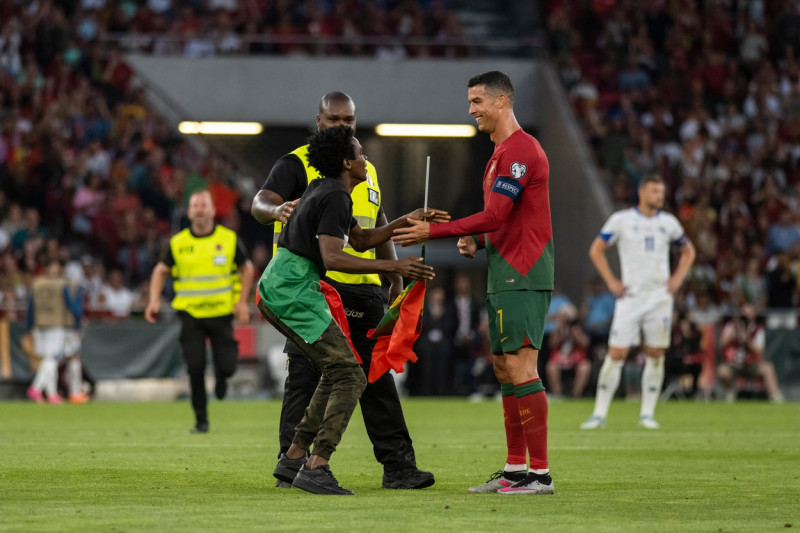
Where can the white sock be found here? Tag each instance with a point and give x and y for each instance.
(607, 383)
(652, 380)
(515, 468)
(540, 471)
(75, 376)
(39, 378)
(47, 377)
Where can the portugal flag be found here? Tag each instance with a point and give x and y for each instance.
(396, 332)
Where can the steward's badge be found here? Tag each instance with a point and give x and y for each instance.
(374, 197)
(220, 260)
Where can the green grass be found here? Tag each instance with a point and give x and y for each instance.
(134, 467)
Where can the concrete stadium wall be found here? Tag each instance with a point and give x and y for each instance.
(278, 90)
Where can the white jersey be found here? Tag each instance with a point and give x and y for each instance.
(643, 244)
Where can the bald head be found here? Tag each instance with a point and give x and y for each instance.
(336, 109)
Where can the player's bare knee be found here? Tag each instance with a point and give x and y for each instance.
(500, 371)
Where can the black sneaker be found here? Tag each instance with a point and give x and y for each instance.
(287, 469)
(319, 481)
(408, 478)
(282, 484)
(200, 427)
(221, 388)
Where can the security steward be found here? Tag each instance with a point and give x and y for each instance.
(364, 303)
(213, 277)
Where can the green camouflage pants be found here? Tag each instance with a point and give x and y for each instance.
(337, 392)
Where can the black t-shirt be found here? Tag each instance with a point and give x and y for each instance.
(324, 209)
(287, 178)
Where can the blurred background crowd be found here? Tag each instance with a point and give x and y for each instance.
(704, 93)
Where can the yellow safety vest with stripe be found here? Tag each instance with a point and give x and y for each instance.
(366, 204)
(205, 273)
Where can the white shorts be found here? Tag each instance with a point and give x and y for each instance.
(72, 342)
(633, 315)
(49, 342)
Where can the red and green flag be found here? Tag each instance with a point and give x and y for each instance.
(397, 331)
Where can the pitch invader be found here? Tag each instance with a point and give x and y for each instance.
(643, 236)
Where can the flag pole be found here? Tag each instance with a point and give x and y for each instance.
(425, 204)
(427, 178)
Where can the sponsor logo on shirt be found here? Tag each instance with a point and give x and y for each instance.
(518, 170)
(352, 313)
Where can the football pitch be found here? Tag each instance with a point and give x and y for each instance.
(122, 467)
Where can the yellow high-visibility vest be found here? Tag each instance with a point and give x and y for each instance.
(366, 204)
(205, 272)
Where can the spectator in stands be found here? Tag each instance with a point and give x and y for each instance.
(116, 298)
(685, 357)
(433, 374)
(88, 201)
(742, 342)
(559, 303)
(783, 234)
(568, 355)
(597, 311)
(781, 283)
(751, 285)
(466, 339)
(30, 230)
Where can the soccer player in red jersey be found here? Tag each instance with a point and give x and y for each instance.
(516, 231)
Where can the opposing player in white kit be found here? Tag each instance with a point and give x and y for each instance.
(643, 235)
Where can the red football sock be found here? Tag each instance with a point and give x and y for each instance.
(515, 440)
(532, 403)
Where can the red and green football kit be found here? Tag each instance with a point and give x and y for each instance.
(516, 230)
(514, 225)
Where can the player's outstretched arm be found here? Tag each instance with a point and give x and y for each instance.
(365, 239)
(269, 207)
(335, 258)
(493, 216)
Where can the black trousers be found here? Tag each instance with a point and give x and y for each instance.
(224, 350)
(380, 404)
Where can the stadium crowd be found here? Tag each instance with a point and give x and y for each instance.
(707, 94)
(88, 170)
(384, 28)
